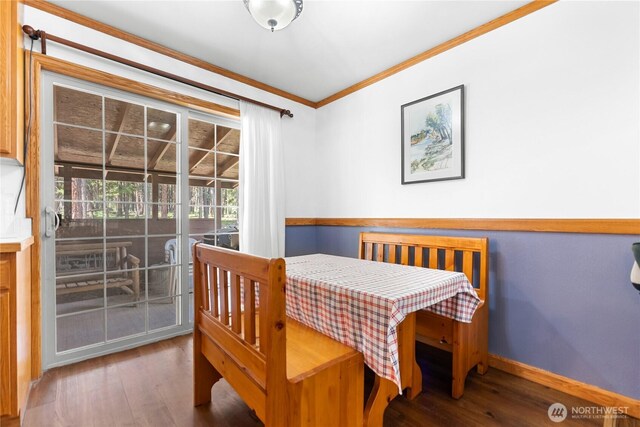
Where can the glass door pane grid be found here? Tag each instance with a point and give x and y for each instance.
(146, 224)
(205, 199)
(104, 238)
(219, 208)
(74, 313)
(170, 213)
(108, 132)
(98, 310)
(104, 224)
(78, 115)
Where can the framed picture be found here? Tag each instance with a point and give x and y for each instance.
(433, 137)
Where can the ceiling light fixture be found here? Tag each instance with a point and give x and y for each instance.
(274, 14)
(158, 126)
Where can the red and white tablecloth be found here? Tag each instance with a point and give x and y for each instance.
(360, 303)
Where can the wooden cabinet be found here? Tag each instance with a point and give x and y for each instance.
(5, 351)
(11, 81)
(15, 327)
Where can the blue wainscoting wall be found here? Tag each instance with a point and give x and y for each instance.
(558, 301)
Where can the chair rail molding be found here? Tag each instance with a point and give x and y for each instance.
(546, 225)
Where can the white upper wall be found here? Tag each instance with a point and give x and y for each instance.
(552, 114)
(298, 133)
(552, 124)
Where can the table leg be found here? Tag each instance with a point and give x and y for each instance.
(416, 385)
(383, 392)
(410, 372)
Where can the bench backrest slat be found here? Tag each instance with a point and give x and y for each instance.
(250, 311)
(223, 296)
(231, 315)
(464, 254)
(236, 309)
(212, 303)
(263, 333)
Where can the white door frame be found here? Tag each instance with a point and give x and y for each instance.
(50, 357)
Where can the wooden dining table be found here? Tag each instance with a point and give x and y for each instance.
(371, 306)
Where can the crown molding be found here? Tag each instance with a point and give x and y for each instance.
(153, 46)
(148, 44)
(443, 47)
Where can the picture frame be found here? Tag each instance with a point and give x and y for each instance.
(432, 142)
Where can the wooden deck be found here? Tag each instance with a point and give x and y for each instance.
(151, 385)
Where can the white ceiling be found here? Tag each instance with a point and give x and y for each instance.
(331, 46)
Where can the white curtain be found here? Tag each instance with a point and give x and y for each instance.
(261, 182)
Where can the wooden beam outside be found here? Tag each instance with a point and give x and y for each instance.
(200, 155)
(126, 174)
(97, 169)
(97, 174)
(228, 164)
(223, 139)
(157, 156)
(116, 141)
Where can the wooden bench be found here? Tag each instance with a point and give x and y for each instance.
(124, 273)
(289, 374)
(468, 342)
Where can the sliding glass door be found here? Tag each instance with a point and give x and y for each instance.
(123, 178)
(214, 148)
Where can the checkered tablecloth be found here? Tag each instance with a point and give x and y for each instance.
(360, 303)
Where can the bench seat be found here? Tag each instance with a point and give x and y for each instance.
(309, 351)
(94, 285)
(288, 373)
(125, 277)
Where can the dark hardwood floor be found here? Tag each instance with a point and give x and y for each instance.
(152, 385)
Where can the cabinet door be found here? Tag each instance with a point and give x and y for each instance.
(11, 81)
(5, 353)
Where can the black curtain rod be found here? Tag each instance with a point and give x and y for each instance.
(43, 37)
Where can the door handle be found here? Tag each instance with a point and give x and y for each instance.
(51, 220)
